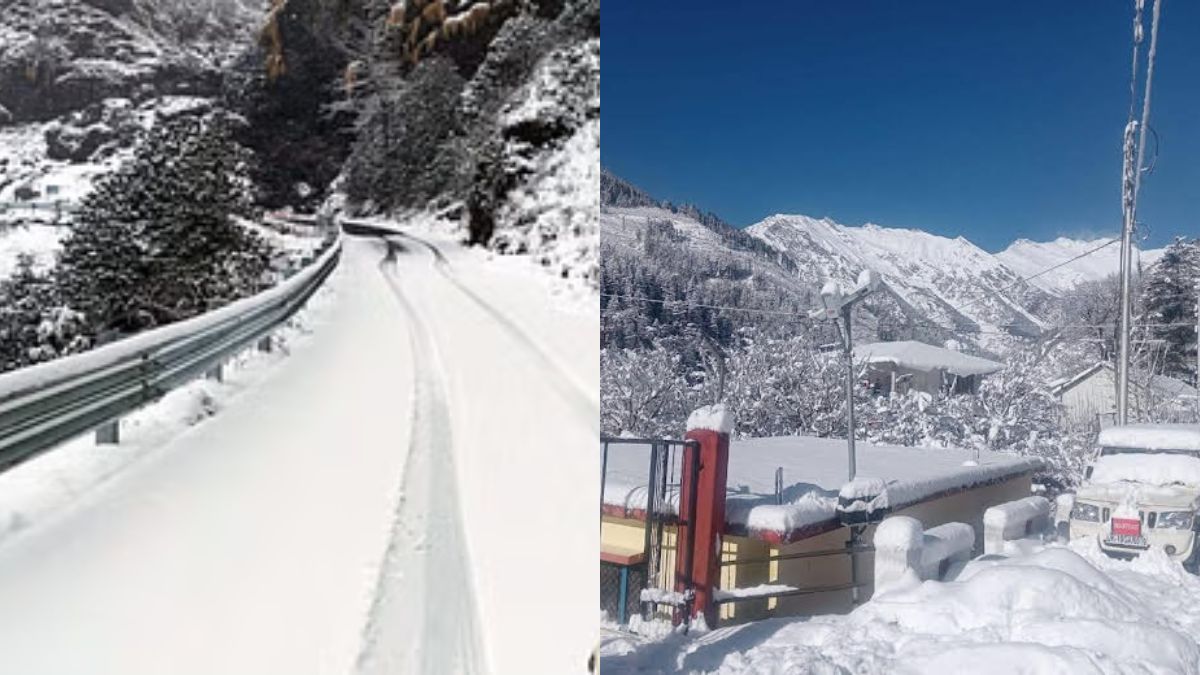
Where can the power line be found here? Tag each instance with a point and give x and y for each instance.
(689, 303)
(800, 316)
(1045, 271)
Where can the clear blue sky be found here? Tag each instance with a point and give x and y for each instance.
(992, 120)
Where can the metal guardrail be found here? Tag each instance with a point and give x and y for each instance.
(47, 403)
(58, 206)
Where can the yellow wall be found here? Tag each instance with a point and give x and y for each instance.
(620, 535)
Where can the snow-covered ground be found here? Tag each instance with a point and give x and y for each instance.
(39, 241)
(375, 500)
(1045, 609)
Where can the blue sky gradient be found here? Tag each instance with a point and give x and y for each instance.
(994, 121)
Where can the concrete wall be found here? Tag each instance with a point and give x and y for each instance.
(967, 506)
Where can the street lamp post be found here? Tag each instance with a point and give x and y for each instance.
(839, 304)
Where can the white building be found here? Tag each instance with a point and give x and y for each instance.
(1090, 396)
(898, 367)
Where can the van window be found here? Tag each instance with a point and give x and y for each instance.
(1146, 451)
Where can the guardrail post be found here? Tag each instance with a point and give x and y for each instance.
(709, 428)
(109, 433)
(216, 373)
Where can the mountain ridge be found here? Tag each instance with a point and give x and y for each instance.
(936, 287)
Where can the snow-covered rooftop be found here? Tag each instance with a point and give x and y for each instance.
(920, 356)
(1152, 436)
(814, 472)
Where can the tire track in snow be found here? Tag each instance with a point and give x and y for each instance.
(423, 618)
(581, 404)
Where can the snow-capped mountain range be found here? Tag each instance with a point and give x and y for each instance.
(1029, 258)
(935, 281)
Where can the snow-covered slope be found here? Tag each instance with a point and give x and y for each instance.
(950, 282)
(1031, 257)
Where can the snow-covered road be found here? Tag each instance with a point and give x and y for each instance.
(391, 497)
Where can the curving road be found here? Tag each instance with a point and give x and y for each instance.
(394, 497)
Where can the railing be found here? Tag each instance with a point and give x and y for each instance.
(45, 404)
(668, 460)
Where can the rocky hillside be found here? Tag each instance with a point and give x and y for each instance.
(487, 113)
(62, 56)
(80, 81)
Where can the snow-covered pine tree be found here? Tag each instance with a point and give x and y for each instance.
(155, 242)
(1170, 298)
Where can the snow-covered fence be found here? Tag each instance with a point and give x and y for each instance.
(1014, 520)
(45, 404)
(905, 551)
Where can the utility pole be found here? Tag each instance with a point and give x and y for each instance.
(1131, 179)
(1127, 212)
(839, 304)
(848, 357)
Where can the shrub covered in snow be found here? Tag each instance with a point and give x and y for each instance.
(34, 325)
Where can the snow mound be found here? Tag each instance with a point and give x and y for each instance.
(711, 418)
(1055, 610)
(860, 488)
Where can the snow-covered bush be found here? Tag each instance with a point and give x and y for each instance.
(783, 386)
(642, 392)
(34, 325)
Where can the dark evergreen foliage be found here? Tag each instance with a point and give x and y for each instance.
(1171, 292)
(155, 241)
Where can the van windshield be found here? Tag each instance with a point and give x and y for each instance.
(1104, 451)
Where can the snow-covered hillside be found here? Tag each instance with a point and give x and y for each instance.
(950, 282)
(1032, 257)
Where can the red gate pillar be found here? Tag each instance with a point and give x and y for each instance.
(704, 521)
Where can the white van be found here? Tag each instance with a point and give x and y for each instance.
(1143, 490)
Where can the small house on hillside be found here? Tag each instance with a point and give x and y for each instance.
(899, 367)
(1090, 396)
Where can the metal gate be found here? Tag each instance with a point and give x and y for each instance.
(657, 503)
